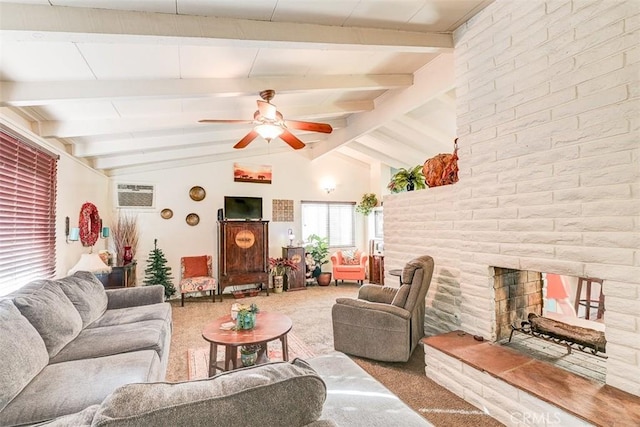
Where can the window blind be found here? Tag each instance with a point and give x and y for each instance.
(27, 213)
(335, 220)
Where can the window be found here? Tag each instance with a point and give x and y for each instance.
(335, 220)
(27, 213)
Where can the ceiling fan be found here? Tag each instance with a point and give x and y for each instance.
(269, 124)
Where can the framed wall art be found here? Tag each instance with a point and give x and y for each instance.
(259, 174)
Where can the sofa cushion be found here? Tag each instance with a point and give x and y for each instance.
(86, 293)
(108, 340)
(66, 388)
(401, 296)
(78, 419)
(22, 352)
(121, 316)
(52, 314)
(275, 394)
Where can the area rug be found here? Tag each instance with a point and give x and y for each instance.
(198, 358)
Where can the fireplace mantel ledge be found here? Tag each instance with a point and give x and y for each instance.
(586, 399)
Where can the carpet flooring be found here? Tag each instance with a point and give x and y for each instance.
(310, 311)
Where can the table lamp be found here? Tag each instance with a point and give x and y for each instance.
(291, 237)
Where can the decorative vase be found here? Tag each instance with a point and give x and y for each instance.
(411, 186)
(278, 284)
(245, 320)
(127, 257)
(248, 359)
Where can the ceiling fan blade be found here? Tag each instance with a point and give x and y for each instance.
(292, 140)
(311, 126)
(224, 121)
(246, 140)
(267, 110)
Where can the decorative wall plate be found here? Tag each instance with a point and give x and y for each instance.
(197, 193)
(166, 213)
(193, 219)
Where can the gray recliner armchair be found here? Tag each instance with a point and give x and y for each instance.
(384, 323)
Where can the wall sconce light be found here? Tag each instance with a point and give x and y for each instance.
(71, 234)
(328, 185)
(104, 231)
(291, 236)
(74, 234)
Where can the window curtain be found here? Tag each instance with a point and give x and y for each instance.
(27, 213)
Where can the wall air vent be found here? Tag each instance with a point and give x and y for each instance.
(135, 196)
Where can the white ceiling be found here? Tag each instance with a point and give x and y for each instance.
(123, 83)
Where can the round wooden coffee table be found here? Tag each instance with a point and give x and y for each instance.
(269, 327)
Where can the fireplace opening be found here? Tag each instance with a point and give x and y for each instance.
(566, 314)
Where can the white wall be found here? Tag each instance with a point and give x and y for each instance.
(295, 178)
(548, 130)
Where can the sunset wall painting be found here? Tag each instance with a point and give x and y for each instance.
(260, 174)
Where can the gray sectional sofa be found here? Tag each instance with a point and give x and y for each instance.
(73, 354)
(67, 344)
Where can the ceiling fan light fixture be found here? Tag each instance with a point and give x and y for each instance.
(268, 131)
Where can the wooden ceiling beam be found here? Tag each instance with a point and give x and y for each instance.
(115, 126)
(22, 22)
(41, 93)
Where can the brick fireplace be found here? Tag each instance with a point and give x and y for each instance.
(517, 293)
(547, 119)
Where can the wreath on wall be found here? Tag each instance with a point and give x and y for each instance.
(89, 224)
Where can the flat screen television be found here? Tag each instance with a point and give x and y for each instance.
(242, 207)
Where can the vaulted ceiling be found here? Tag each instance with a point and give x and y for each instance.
(122, 84)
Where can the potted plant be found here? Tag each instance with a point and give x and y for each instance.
(278, 268)
(368, 202)
(246, 316)
(407, 179)
(249, 354)
(318, 247)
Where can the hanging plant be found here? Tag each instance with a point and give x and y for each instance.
(407, 180)
(368, 202)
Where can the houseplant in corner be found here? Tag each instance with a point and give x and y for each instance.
(368, 202)
(318, 247)
(407, 179)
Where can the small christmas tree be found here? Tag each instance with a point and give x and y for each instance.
(157, 272)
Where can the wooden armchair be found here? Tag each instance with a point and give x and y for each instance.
(349, 265)
(196, 275)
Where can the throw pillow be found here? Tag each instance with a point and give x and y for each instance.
(349, 256)
(52, 314)
(280, 393)
(87, 294)
(195, 266)
(401, 296)
(22, 352)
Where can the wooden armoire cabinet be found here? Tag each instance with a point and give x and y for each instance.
(243, 254)
(296, 280)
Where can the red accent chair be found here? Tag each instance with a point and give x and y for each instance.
(349, 265)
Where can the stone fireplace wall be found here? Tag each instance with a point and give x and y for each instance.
(548, 127)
